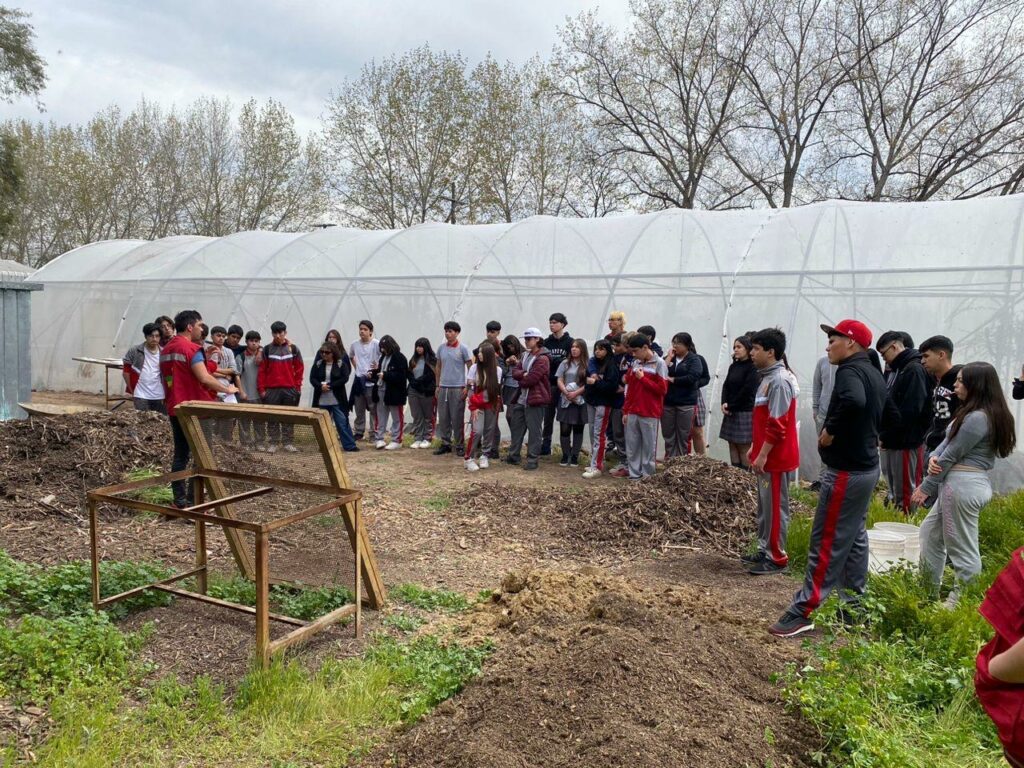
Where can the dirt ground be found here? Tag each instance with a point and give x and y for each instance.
(606, 654)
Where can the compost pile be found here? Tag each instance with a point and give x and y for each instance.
(694, 501)
(67, 455)
(598, 670)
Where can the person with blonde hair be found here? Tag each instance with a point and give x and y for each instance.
(616, 324)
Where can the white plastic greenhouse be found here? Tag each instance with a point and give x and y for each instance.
(955, 268)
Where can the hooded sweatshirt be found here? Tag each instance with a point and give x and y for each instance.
(775, 419)
(909, 391)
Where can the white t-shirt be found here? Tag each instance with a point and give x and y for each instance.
(150, 387)
(365, 355)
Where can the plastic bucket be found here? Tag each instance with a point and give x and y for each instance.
(884, 549)
(912, 552)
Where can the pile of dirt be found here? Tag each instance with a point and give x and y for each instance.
(65, 456)
(693, 501)
(595, 670)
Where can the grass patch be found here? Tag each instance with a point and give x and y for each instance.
(306, 604)
(430, 599)
(438, 502)
(157, 494)
(283, 716)
(403, 622)
(64, 590)
(898, 691)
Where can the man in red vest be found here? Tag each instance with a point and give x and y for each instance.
(186, 376)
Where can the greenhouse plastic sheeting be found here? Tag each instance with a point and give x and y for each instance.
(954, 268)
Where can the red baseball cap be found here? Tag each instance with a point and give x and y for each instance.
(851, 329)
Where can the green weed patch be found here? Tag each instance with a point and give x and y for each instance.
(897, 691)
(430, 599)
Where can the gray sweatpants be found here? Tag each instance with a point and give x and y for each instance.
(421, 408)
(838, 552)
(451, 415)
(599, 417)
(676, 423)
(773, 515)
(902, 470)
(362, 405)
(516, 415)
(951, 527)
(534, 430)
(641, 441)
(389, 421)
(482, 424)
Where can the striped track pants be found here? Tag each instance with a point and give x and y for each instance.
(838, 553)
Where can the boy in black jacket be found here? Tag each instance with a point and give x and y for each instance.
(902, 436)
(848, 446)
(937, 359)
(558, 345)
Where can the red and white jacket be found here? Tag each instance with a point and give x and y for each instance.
(775, 419)
(282, 368)
(645, 395)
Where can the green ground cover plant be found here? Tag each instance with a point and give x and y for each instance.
(896, 689)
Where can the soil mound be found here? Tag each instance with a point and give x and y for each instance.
(594, 670)
(693, 501)
(67, 455)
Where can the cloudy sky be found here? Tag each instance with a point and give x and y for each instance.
(100, 52)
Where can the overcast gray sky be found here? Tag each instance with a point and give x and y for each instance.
(100, 52)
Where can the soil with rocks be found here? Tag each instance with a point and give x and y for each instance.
(597, 670)
(693, 501)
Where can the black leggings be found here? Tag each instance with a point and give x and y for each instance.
(181, 489)
(573, 432)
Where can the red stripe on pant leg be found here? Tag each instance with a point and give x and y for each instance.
(906, 480)
(602, 438)
(778, 556)
(827, 538)
(401, 423)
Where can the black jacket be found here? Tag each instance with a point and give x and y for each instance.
(558, 350)
(426, 384)
(1018, 389)
(605, 390)
(944, 405)
(705, 374)
(740, 386)
(684, 377)
(909, 391)
(396, 380)
(338, 378)
(855, 412)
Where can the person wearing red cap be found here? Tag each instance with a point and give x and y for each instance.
(848, 446)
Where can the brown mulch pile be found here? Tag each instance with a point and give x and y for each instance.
(694, 501)
(595, 670)
(65, 456)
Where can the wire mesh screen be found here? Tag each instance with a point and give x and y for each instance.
(290, 445)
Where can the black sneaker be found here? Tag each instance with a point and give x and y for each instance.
(753, 559)
(513, 460)
(564, 462)
(460, 450)
(767, 567)
(531, 464)
(545, 449)
(574, 460)
(790, 626)
(443, 449)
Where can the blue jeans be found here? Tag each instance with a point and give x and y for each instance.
(348, 440)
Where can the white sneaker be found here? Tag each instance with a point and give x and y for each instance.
(291, 448)
(415, 444)
(261, 448)
(472, 466)
(591, 473)
(483, 463)
(422, 444)
(392, 446)
(271, 449)
(380, 444)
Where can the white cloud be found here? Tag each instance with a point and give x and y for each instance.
(102, 52)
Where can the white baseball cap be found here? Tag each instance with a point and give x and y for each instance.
(532, 333)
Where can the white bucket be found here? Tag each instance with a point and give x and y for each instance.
(884, 549)
(912, 552)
